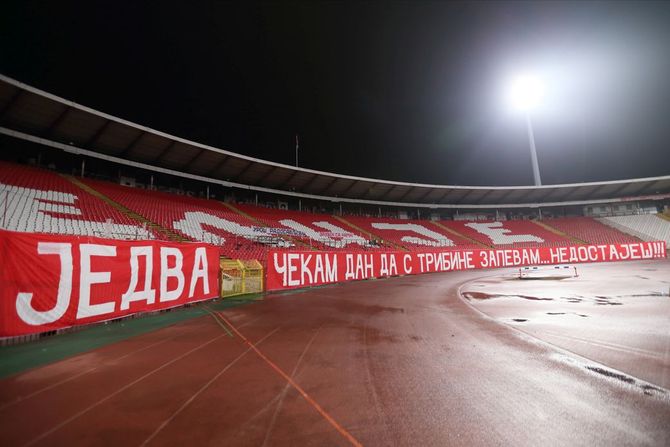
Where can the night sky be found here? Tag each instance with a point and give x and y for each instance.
(400, 91)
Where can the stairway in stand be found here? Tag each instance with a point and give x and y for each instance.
(559, 232)
(370, 235)
(456, 233)
(165, 233)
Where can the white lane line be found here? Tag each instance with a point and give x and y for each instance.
(273, 420)
(122, 389)
(68, 379)
(608, 345)
(203, 388)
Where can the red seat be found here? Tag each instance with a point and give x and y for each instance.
(590, 230)
(509, 233)
(413, 234)
(45, 202)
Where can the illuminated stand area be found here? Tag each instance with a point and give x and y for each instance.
(39, 201)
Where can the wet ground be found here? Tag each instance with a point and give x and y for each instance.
(404, 361)
(617, 314)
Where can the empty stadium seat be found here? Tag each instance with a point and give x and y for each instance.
(39, 201)
(312, 230)
(36, 200)
(509, 233)
(195, 219)
(411, 234)
(590, 230)
(648, 227)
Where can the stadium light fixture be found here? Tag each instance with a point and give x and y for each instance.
(525, 94)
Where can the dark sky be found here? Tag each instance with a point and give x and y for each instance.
(402, 91)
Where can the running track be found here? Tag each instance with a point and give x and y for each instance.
(403, 361)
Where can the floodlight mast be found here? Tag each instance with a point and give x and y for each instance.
(533, 152)
(526, 93)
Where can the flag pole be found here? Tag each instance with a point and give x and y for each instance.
(296, 150)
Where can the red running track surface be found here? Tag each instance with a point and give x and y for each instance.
(403, 361)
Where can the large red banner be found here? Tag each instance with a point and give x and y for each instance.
(293, 269)
(52, 282)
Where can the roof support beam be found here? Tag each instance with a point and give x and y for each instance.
(310, 182)
(370, 194)
(243, 171)
(540, 194)
(98, 133)
(430, 190)
(267, 174)
(548, 192)
(563, 196)
(653, 186)
(509, 193)
(188, 164)
(409, 190)
(328, 185)
(389, 190)
(132, 144)
(641, 187)
(551, 192)
(579, 191)
(219, 165)
(290, 179)
(10, 103)
(466, 194)
(481, 199)
(351, 185)
(444, 196)
(392, 189)
(366, 194)
(59, 119)
(594, 192)
(618, 190)
(165, 150)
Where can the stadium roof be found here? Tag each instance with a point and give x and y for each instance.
(34, 115)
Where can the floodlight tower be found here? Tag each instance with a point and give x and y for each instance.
(525, 94)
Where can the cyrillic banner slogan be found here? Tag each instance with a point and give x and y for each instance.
(51, 282)
(292, 269)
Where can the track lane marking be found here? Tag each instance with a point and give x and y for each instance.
(202, 389)
(120, 390)
(607, 345)
(68, 379)
(348, 436)
(379, 409)
(283, 392)
(248, 322)
(218, 321)
(116, 359)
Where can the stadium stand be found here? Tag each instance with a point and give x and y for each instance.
(320, 231)
(195, 219)
(39, 201)
(590, 230)
(518, 233)
(648, 227)
(410, 234)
